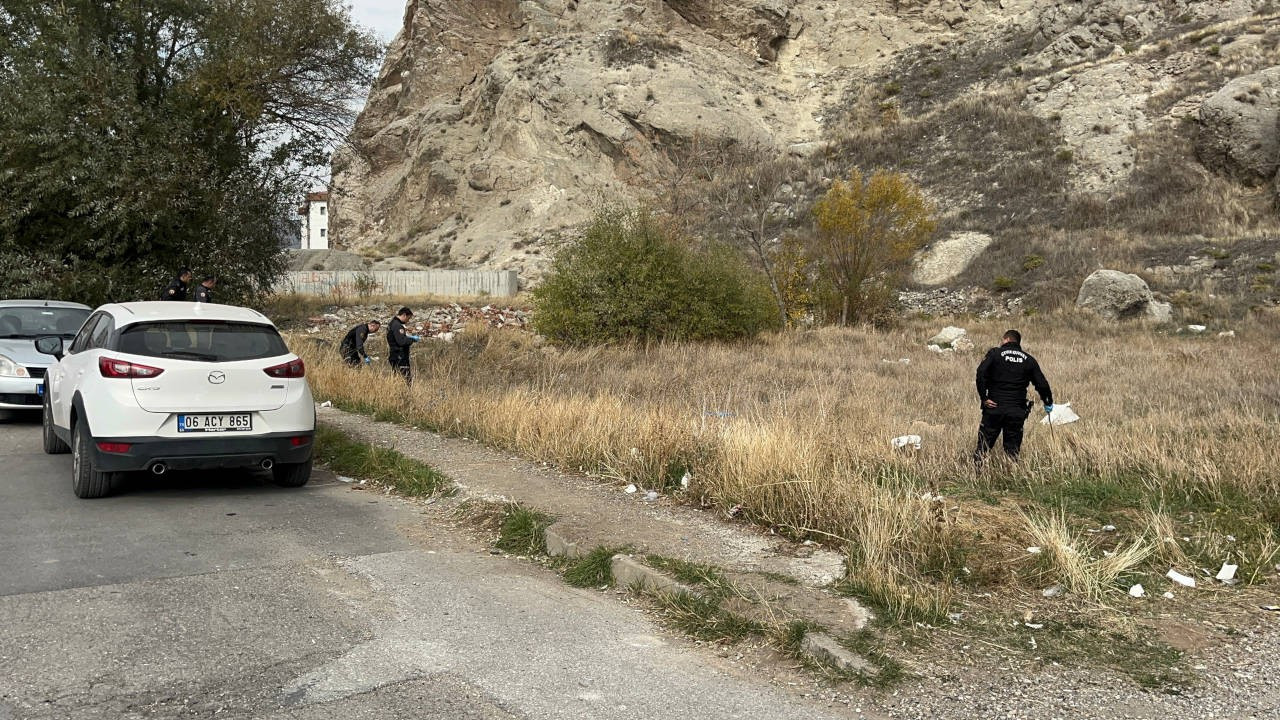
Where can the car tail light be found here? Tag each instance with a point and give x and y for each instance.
(299, 440)
(291, 369)
(112, 368)
(114, 447)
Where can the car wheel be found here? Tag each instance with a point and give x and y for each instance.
(53, 444)
(291, 474)
(85, 481)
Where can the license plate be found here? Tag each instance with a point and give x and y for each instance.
(239, 422)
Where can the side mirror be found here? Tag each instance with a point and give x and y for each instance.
(50, 346)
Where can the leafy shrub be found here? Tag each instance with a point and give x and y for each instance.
(629, 279)
(1032, 262)
(868, 229)
(1004, 284)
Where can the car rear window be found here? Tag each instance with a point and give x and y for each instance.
(32, 322)
(208, 341)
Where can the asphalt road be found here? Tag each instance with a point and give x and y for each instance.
(221, 596)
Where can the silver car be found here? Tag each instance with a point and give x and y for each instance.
(21, 367)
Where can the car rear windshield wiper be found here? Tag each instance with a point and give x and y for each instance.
(191, 355)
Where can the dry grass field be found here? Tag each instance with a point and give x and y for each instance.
(1175, 448)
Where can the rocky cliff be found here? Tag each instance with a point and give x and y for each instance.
(497, 125)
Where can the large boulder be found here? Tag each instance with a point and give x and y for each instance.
(1116, 295)
(1240, 128)
(949, 257)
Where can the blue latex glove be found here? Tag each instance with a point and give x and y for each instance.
(367, 360)
(1048, 409)
(415, 338)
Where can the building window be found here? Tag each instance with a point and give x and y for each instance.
(321, 232)
(322, 209)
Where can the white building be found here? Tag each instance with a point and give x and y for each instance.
(315, 221)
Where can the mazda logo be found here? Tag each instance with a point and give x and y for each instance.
(217, 378)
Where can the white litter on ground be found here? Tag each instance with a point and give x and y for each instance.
(327, 403)
(1227, 573)
(1137, 591)
(629, 489)
(1181, 579)
(345, 479)
(1061, 415)
(903, 441)
(1034, 550)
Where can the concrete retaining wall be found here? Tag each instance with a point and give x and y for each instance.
(450, 283)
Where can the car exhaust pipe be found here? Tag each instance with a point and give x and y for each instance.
(159, 469)
(267, 464)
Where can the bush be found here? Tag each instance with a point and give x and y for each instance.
(868, 229)
(629, 279)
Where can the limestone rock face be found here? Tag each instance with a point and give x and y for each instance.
(949, 257)
(1240, 128)
(1116, 295)
(496, 127)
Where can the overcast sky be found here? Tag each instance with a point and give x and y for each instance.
(383, 16)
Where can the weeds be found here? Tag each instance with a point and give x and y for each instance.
(593, 570)
(704, 618)
(408, 477)
(522, 531)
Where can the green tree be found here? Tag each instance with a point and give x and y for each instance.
(628, 279)
(139, 136)
(867, 231)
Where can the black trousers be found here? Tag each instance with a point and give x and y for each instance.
(349, 356)
(996, 422)
(401, 365)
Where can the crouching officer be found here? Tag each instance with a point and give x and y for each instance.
(398, 341)
(352, 346)
(1002, 381)
(204, 291)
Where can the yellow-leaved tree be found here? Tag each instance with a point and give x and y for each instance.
(867, 230)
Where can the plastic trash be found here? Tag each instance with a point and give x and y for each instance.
(345, 479)
(1108, 528)
(1167, 595)
(1227, 573)
(1181, 579)
(1061, 415)
(1137, 591)
(903, 441)
(630, 489)
(1196, 328)
(684, 481)
(1053, 592)
(327, 403)
(1034, 550)
(651, 495)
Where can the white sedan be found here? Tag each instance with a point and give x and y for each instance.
(161, 386)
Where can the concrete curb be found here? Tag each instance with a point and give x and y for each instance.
(629, 572)
(559, 545)
(826, 650)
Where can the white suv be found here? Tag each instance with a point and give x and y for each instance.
(174, 385)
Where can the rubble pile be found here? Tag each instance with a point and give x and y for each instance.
(442, 322)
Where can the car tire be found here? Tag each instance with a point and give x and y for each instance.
(291, 474)
(85, 481)
(53, 444)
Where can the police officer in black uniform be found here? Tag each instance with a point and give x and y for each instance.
(352, 346)
(204, 291)
(176, 291)
(398, 341)
(1002, 379)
